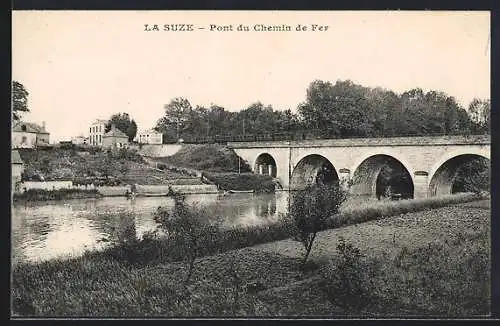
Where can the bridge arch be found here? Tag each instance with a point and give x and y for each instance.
(373, 175)
(313, 168)
(266, 164)
(443, 173)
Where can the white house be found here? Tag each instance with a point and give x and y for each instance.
(150, 136)
(96, 132)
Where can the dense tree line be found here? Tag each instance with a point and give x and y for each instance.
(340, 110)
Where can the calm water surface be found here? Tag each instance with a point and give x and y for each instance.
(45, 230)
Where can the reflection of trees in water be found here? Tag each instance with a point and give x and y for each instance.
(266, 206)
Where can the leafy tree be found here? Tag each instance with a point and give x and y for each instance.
(339, 110)
(480, 111)
(191, 226)
(123, 122)
(19, 100)
(178, 112)
(310, 209)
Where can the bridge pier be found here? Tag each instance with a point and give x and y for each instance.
(344, 178)
(421, 185)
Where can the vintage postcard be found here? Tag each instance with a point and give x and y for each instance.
(249, 164)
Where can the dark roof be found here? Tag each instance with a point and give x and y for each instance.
(30, 127)
(16, 158)
(115, 132)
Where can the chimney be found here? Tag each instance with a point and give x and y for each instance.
(113, 128)
(43, 125)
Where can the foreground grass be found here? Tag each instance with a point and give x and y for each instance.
(437, 264)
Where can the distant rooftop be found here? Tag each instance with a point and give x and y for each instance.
(149, 131)
(115, 132)
(21, 126)
(100, 121)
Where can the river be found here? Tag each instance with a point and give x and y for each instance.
(56, 229)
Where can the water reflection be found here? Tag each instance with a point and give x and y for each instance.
(41, 231)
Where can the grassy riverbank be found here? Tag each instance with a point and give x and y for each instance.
(405, 251)
(59, 194)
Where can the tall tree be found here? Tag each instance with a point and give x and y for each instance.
(19, 100)
(124, 123)
(479, 111)
(179, 113)
(336, 110)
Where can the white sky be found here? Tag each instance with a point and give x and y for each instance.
(79, 66)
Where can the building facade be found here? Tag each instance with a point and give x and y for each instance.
(17, 170)
(29, 135)
(115, 138)
(80, 140)
(96, 132)
(150, 137)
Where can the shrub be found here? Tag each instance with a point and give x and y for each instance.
(347, 279)
(190, 225)
(310, 210)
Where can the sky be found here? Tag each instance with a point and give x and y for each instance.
(79, 66)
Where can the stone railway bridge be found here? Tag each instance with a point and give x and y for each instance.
(431, 162)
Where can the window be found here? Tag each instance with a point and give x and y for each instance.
(100, 140)
(90, 130)
(23, 128)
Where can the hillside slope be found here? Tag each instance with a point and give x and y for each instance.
(211, 157)
(91, 165)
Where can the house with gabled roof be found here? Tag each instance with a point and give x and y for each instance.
(29, 135)
(115, 138)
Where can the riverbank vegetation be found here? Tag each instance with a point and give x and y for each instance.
(86, 165)
(242, 181)
(58, 194)
(441, 273)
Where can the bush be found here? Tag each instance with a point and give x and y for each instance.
(347, 279)
(190, 225)
(310, 210)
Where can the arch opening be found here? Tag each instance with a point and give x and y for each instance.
(313, 169)
(462, 173)
(382, 176)
(265, 164)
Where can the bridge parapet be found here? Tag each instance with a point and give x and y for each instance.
(362, 142)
